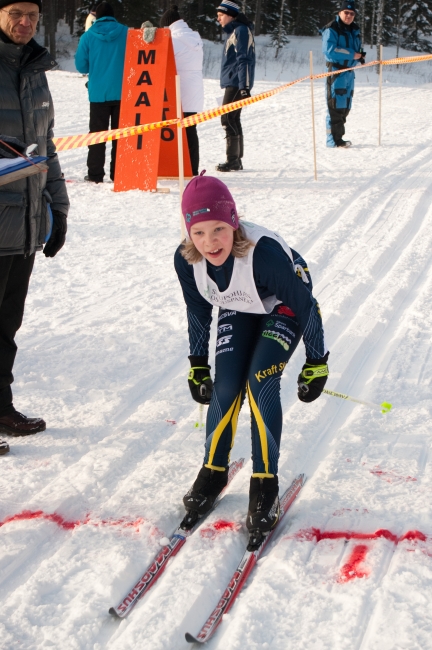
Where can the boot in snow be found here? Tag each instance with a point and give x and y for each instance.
(233, 162)
(343, 143)
(4, 447)
(199, 500)
(263, 513)
(17, 424)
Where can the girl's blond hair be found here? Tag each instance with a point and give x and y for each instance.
(241, 246)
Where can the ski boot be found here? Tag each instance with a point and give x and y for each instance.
(200, 499)
(263, 513)
(343, 143)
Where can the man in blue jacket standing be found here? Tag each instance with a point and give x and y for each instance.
(343, 49)
(101, 53)
(237, 77)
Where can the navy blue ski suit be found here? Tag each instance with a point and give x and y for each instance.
(252, 350)
(340, 43)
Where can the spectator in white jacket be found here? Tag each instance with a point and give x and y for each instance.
(188, 53)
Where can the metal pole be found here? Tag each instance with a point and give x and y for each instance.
(313, 115)
(379, 94)
(180, 153)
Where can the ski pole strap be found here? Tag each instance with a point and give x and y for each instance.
(311, 373)
(191, 375)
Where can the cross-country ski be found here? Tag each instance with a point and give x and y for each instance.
(244, 569)
(177, 540)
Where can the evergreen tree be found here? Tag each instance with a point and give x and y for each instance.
(416, 25)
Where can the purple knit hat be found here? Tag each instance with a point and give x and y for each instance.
(206, 198)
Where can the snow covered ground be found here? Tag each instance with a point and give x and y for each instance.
(103, 357)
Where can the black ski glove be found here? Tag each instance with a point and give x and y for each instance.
(244, 93)
(16, 144)
(58, 234)
(363, 57)
(200, 382)
(312, 379)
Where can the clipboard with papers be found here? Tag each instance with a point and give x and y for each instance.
(13, 169)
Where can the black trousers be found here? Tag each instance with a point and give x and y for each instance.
(15, 272)
(193, 144)
(252, 351)
(231, 121)
(336, 116)
(100, 115)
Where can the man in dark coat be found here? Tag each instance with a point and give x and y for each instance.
(33, 210)
(342, 49)
(237, 77)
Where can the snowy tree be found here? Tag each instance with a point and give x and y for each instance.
(417, 25)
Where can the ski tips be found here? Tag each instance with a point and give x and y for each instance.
(191, 639)
(113, 612)
(385, 407)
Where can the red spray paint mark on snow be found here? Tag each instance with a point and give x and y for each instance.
(61, 522)
(171, 421)
(314, 533)
(390, 476)
(350, 569)
(219, 526)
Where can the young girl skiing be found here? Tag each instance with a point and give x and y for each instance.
(264, 293)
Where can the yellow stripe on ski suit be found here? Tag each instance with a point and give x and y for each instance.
(231, 415)
(262, 434)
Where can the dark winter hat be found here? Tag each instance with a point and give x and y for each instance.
(6, 3)
(104, 9)
(228, 7)
(206, 198)
(170, 16)
(347, 4)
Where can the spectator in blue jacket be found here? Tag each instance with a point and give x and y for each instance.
(343, 49)
(101, 53)
(237, 77)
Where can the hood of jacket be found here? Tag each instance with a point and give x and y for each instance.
(240, 20)
(106, 29)
(182, 32)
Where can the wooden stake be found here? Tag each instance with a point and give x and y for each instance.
(180, 154)
(313, 115)
(379, 96)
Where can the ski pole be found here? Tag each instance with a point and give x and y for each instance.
(200, 422)
(384, 407)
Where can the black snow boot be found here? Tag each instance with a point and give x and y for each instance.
(4, 447)
(233, 162)
(199, 500)
(343, 143)
(263, 512)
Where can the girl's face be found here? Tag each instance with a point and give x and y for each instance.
(213, 239)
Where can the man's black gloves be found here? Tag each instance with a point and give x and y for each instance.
(19, 146)
(58, 234)
(363, 57)
(244, 93)
(200, 382)
(312, 379)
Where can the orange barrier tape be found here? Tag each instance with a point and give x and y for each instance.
(76, 141)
